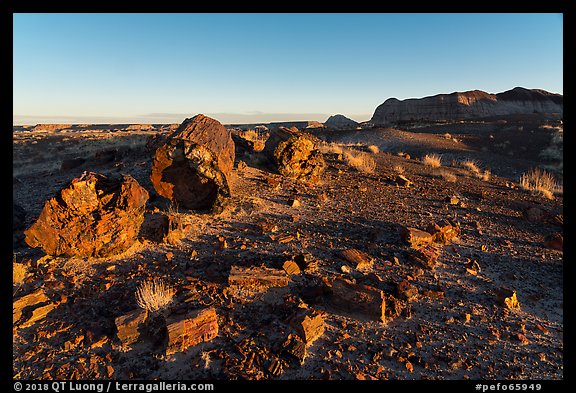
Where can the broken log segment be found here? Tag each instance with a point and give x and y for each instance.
(415, 237)
(193, 166)
(308, 325)
(295, 153)
(442, 231)
(358, 298)
(255, 276)
(93, 216)
(29, 300)
(129, 326)
(358, 258)
(426, 256)
(38, 314)
(198, 326)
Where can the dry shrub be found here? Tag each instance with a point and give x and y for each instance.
(485, 175)
(433, 160)
(331, 148)
(540, 181)
(471, 165)
(361, 161)
(373, 149)
(448, 176)
(154, 295)
(19, 273)
(399, 169)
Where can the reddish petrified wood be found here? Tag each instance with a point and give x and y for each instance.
(193, 166)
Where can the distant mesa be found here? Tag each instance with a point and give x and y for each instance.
(340, 122)
(474, 104)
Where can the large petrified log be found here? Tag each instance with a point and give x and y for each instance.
(358, 298)
(295, 154)
(193, 166)
(93, 216)
(130, 326)
(256, 276)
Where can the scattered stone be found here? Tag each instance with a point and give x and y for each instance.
(273, 183)
(38, 314)
(415, 237)
(452, 200)
(554, 241)
(472, 267)
(406, 291)
(267, 227)
(304, 261)
(198, 326)
(433, 294)
(294, 202)
(93, 216)
(426, 256)
(394, 307)
(71, 163)
(274, 367)
(129, 326)
(443, 231)
(542, 328)
(295, 348)
(358, 298)
(291, 268)
(507, 298)
(193, 166)
(295, 154)
(402, 181)
(358, 258)
(255, 276)
(29, 300)
(241, 165)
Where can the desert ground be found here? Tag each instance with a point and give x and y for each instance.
(442, 323)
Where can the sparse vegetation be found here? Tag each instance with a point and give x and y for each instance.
(373, 149)
(433, 160)
(540, 181)
(19, 273)
(448, 176)
(154, 295)
(399, 169)
(331, 148)
(473, 167)
(361, 161)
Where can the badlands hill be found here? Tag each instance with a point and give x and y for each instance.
(472, 104)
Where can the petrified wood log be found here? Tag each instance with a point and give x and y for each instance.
(358, 258)
(295, 154)
(198, 326)
(129, 326)
(193, 167)
(255, 276)
(29, 300)
(93, 216)
(358, 298)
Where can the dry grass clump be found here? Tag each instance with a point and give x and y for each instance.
(448, 176)
(19, 273)
(154, 295)
(473, 167)
(399, 169)
(361, 161)
(373, 149)
(540, 181)
(433, 160)
(331, 148)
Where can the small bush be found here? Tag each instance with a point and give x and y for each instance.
(361, 161)
(373, 149)
(448, 176)
(399, 169)
(540, 181)
(471, 165)
(154, 295)
(433, 160)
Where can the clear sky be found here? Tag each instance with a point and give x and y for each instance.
(162, 68)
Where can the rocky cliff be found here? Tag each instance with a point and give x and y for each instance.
(469, 105)
(341, 122)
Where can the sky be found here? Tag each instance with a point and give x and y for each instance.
(245, 68)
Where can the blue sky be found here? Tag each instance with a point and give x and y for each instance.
(162, 68)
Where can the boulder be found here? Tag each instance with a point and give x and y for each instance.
(295, 154)
(193, 166)
(93, 216)
(340, 122)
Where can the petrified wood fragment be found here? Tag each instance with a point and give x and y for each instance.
(198, 326)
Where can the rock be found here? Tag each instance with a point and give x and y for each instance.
(294, 202)
(554, 241)
(291, 268)
(153, 142)
(394, 307)
(198, 326)
(406, 291)
(357, 298)
(254, 276)
(241, 165)
(245, 146)
(468, 105)
(442, 231)
(295, 348)
(29, 300)
(415, 237)
(71, 163)
(38, 314)
(309, 325)
(452, 200)
(506, 297)
(193, 167)
(433, 294)
(402, 181)
(304, 261)
(130, 326)
(18, 217)
(426, 256)
(340, 122)
(295, 154)
(358, 258)
(93, 216)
